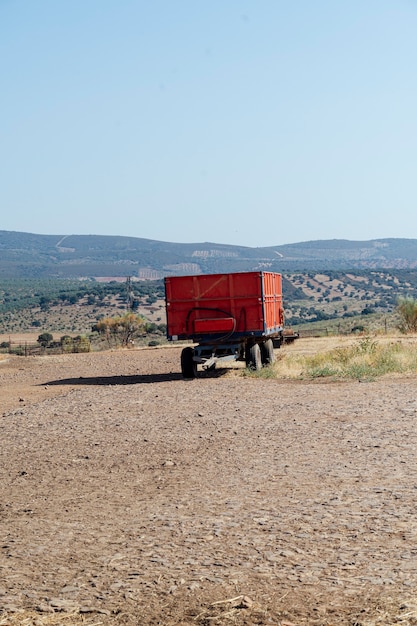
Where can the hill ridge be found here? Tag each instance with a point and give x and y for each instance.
(93, 256)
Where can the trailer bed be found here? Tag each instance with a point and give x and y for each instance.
(224, 306)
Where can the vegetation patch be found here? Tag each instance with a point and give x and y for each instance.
(365, 359)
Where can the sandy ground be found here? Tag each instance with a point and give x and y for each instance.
(130, 496)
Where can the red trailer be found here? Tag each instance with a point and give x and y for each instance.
(229, 316)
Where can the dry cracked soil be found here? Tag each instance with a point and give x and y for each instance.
(131, 496)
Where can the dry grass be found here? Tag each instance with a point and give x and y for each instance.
(387, 613)
(33, 618)
(392, 613)
(342, 357)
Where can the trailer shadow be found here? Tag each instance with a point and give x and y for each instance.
(139, 379)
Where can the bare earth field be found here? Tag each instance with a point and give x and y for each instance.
(130, 496)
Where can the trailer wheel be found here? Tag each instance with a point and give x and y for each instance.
(267, 352)
(253, 357)
(188, 365)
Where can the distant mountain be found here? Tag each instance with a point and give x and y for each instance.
(100, 256)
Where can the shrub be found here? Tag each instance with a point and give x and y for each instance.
(67, 343)
(81, 344)
(407, 310)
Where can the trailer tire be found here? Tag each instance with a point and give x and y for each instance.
(188, 365)
(267, 352)
(253, 357)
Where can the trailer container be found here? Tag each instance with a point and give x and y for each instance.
(229, 316)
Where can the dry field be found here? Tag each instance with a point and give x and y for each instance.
(130, 496)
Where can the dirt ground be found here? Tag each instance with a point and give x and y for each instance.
(130, 496)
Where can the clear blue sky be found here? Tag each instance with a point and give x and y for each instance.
(255, 123)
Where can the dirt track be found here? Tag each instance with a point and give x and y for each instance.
(136, 497)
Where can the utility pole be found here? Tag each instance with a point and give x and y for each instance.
(129, 294)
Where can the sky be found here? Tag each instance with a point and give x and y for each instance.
(253, 123)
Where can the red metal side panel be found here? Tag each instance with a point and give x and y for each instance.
(244, 302)
(272, 297)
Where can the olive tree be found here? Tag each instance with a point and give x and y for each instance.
(45, 339)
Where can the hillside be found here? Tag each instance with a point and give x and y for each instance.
(355, 299)
(104, 257)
